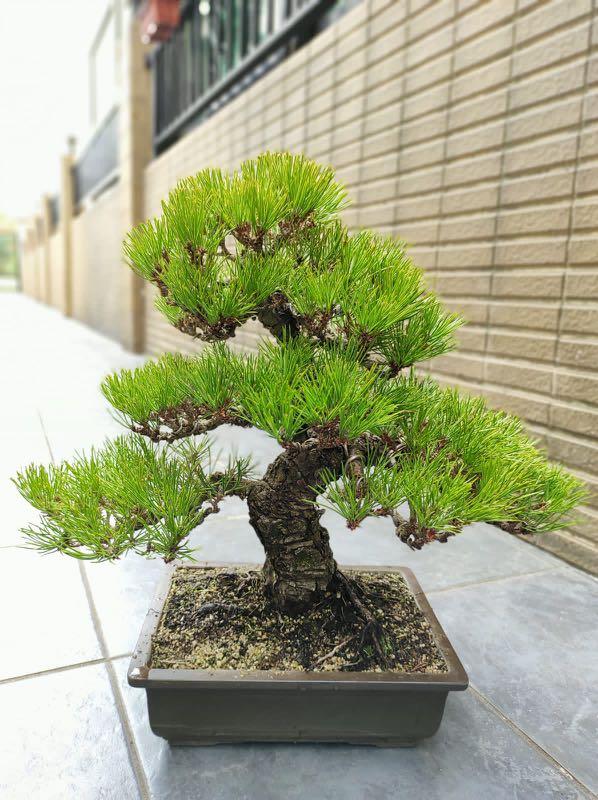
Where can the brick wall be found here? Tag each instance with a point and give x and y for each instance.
(80, 271)
(98, 274)
(57, 281)
(471, 130)
(29, 271)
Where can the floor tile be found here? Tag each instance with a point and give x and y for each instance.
(122, 593)
(474, 755)
(46, 621)
(480, 553)
(530, 645)
(526, 641)
(61, 739)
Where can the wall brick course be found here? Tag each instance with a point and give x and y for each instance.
(536, 347)
(541, 316)
(548, 185)
(577, 386)
(528, 284)
(519, 376)
(550, 16)
(556, 49)
(577, 352)
(478, 109)
(560, 81)
(582, 285)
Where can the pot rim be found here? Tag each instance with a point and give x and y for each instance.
(141, 675)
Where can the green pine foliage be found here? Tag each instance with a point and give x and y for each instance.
(225, 246)
(286, 390)
(454, 461)
(129, 495)
(351, 315)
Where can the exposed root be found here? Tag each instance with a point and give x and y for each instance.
(210, 608)
(372, 628)
(332, 652)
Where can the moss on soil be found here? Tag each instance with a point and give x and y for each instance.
(221, 619)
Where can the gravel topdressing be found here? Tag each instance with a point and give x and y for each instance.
(221, 619)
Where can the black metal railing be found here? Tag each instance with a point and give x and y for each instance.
(97, 167)
(220, 47)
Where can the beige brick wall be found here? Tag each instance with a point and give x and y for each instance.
(471, 130)
(98, 274)
(80, 273)
(29, 272)
(57, 282)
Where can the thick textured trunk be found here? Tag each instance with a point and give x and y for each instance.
(299, 562)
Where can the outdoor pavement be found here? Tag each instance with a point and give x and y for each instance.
(523, 622)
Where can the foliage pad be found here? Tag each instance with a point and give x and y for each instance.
(350, 316)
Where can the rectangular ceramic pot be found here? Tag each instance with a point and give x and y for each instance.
(200, 707)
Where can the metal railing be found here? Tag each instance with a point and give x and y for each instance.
(97, 166)
(220, 47)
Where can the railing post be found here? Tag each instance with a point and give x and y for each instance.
(46, 232)
(67, 206)
(135, 152)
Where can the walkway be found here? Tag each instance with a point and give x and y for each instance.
(523, 623)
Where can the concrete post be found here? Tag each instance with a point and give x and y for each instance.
(135, 153)
(38, 241)
(46, 232)
(67, 210)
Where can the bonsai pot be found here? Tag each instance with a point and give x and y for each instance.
(201, 707)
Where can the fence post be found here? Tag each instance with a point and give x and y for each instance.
(67, 205)
(29, 281)
(46, 232)
(135, 152)
(39, 259)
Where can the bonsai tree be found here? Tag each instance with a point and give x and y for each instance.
(361, 432)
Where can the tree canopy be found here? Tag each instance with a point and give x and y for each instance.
(351, 315)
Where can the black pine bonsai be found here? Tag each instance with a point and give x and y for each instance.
(361, 432)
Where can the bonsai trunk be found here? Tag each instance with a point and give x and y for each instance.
(299, 564)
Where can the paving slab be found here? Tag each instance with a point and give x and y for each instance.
(46, 621)
(522, 622)
(61, 738)
(122, 594)
(530, 645)
(474, 755)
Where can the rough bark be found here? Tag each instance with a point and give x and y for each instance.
(299, 564)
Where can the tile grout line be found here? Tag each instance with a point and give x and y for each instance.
(133, 750)
(63, 668)
(531, 742)
(131, 744)
(500, 579)
(45, 433)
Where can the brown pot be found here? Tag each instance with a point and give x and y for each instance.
(199, 707)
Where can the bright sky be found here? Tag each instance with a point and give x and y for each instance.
(44, 47)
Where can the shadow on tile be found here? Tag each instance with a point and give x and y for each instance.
(474, 755)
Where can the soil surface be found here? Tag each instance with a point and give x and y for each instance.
(221, 619)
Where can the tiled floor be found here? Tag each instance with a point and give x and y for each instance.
(523, 623)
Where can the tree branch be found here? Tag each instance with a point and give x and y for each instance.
(185, 420)
(276, 315)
